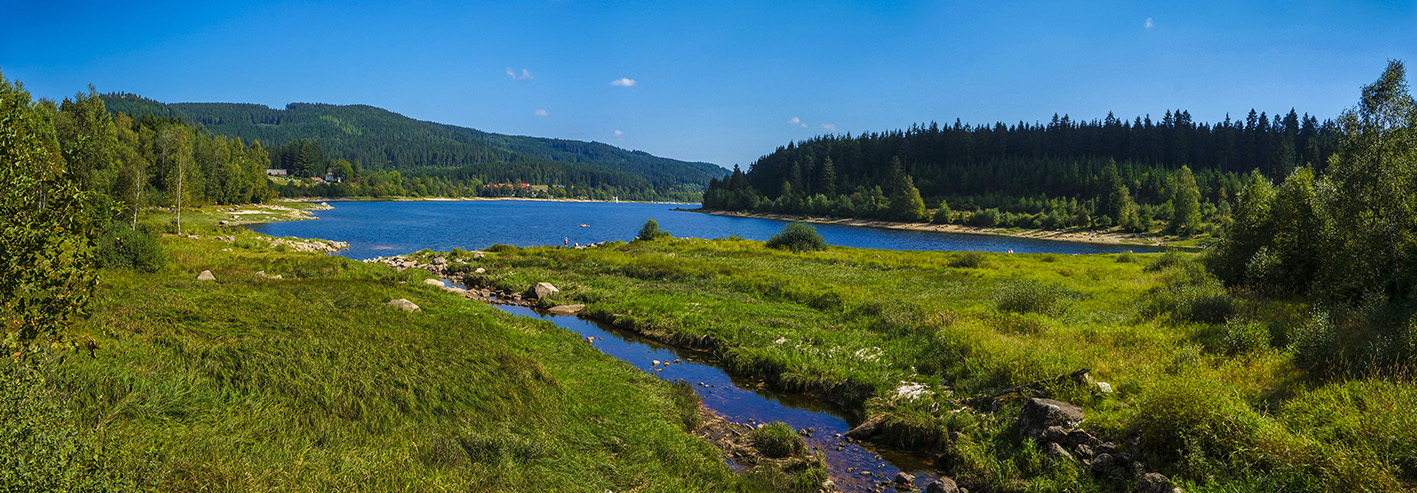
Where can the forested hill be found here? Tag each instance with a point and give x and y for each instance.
(1072, 172)
(384, 140)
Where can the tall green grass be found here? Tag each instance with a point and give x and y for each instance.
(311, 383)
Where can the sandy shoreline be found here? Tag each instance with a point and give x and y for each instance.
(1098, 237)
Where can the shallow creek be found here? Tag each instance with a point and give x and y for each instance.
(751, 401)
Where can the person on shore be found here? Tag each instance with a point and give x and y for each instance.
(567, 242)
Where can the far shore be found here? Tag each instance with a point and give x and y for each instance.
(1076, 236)
(463, 199)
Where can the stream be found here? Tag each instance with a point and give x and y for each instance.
(750, 401)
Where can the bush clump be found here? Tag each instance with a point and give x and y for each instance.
(1034, 297)
(650, 232)
(777, 440)
(1244, 337)
(798, 237)
(968, 260)
(124, 248)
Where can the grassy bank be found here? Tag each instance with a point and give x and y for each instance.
(1204, 388)
(310, 382)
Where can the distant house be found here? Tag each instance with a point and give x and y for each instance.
(331, 178)
(275, 172)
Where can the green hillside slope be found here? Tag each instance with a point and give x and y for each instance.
(381, 139)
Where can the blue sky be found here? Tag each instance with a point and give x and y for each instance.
(718, 82)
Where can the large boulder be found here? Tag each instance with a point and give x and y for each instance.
(541, 290)
(942, 485)
(206, 275)
(1038, 414)
(404, 305)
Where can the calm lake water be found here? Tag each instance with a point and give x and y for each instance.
(379, 229)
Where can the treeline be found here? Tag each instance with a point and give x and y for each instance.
(1031, 175)
(1344, 234)
(130, 163)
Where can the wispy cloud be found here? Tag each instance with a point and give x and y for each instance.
(797, 122)
(1149, 23)
(619, 133)
(830, 127)
(524, 75)
(540, 113)
(624, 82)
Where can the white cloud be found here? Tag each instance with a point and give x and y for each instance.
(1149, 23)
(796, 122)
(624, 82)
(619, 133)
(829, 127)
(525, 74)
(540, 113)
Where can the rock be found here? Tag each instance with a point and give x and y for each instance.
(476, 254)
(904, 478)
(541, 290)
(224, 223)
(867, 429)
(942, 485)
(1104, 387)
(1038, 414)
(260, 274)
(206, 275)
(1084, 451)
(1103, 465)
(1082, 437)
(440, 261)
(404, 305)
(1054, 453)
(566, 309)
(1154, 482)
(479, 270)
(654, 363)
(433, 282)
(1054, 434)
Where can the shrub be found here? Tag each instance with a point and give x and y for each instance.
(124, 248)
(1034, 297)
(1167, 260)
(1242, 337)
(1183, 419)
(968, 260)
(798, 237)
(1127, 258)
(1263, 271)
(650, 231)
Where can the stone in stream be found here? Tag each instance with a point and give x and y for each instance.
(942, 485)
(433, 282)
(904, 478)
(566, 309)
(206, 275)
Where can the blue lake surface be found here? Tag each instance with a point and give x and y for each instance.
(378, 229)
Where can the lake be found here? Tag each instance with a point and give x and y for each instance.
(378, 229)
